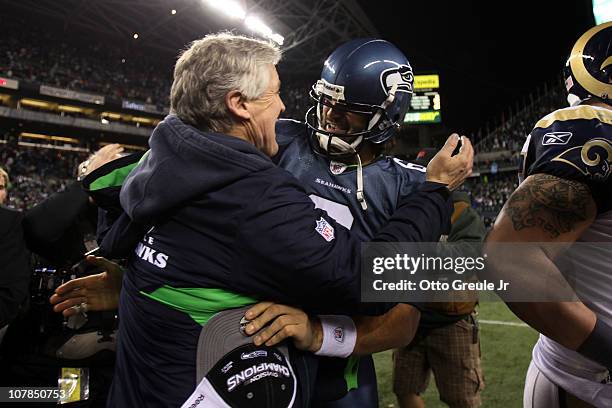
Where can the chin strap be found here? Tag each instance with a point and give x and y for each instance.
(573, 100)
(344, 147)
(338, 145)
(360, 195)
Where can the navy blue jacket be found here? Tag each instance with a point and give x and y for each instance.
(225, 227)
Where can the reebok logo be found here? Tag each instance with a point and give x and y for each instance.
(556, 138)
(197, 401)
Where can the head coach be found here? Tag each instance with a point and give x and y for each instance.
(226, 227)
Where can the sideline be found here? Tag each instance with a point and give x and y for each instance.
(502, 323)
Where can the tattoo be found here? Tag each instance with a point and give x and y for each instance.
(551, 203)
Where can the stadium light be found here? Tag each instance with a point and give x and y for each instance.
(277, 38)
(229, 7)
(233, 9)
(255, 24)
(259, 27)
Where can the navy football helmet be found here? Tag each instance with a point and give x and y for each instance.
(588, 70)
(370, 77)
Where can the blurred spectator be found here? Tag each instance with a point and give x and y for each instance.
(37, 172)
(296, 97)
(489, 192)
(4, 184)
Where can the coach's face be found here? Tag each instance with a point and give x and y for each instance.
(264, 111)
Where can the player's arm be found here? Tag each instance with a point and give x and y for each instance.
(380, 333)
(362, 335)
(546, 209)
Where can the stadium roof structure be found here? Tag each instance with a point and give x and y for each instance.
(311, 28)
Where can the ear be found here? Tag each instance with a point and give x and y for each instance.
(237, 105)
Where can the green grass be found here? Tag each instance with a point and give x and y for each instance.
(506, 352)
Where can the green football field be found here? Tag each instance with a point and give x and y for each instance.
(506, 352)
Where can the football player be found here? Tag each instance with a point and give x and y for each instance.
(566, 197)
(338, 154)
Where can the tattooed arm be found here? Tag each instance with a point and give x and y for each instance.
(543, 209)
(548, 208)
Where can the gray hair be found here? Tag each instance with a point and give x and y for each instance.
(213, 66)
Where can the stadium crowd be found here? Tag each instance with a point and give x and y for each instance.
(82, 65)
(489, 192)
(511, 134)
(36, 173)
(91, 65)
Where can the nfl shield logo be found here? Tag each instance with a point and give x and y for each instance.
(339, 334)
(337, 167)
(325, 229)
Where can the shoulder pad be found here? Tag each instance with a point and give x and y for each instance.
(573, 143)
(415, 172)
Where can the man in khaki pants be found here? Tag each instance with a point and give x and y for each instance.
(451, 350)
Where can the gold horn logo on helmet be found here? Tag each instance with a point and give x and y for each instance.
(581, 54)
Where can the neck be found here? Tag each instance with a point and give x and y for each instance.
(240, 133)
(368, 153)
(597, 102)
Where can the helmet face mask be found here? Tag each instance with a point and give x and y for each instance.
(588, 70)
(368, 85)
(356, 123)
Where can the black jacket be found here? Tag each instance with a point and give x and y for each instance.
(14, 265)
(54, 228)
(225, 227)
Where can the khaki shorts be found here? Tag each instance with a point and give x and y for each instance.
(453, 354)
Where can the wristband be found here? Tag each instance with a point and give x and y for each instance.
(339, 336)
(598, 346)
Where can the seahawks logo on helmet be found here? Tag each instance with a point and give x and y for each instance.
(401, 76)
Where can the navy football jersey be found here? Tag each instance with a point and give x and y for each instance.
(574, 143)
(333, 185)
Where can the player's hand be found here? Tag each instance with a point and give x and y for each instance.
(448, 169)
(91, 293)
(283, 322)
